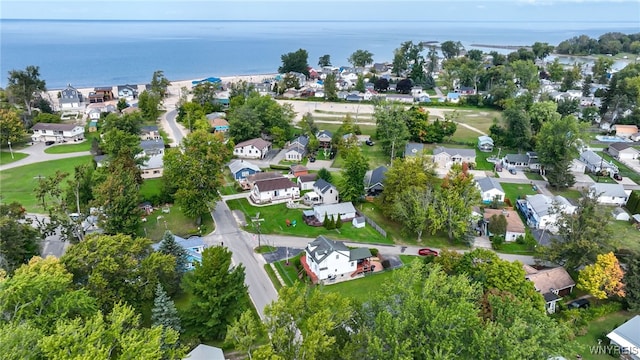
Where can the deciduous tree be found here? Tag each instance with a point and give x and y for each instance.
(518, 126)
(149, 105)
(356, 166)
(24, 85)
(450, 49)
(603, 279)
(631, 281)
(407, 173)
(297, 61)
(325, 175)
(19, 241)
(361, 58)
(559, 142)
(159, 84)
(497, 225)
(541, 50)
(11, 127)
(245, 332)
(391, 131)
(324, 60)
(330, 87)
(205, 93)
(219, 293)
(542, 112)
(457, 195)
(416, 209)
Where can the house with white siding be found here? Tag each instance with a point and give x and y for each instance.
(252, 149)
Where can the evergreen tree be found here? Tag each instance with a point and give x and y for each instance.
(164, 311)
(325, 222)
(338, 224)
(325, 175)
(170, 246)
(632, 283)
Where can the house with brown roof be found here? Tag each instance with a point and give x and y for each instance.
(623, 151)
(515, 226)
(553, 284)
(57, 132)
(625, 131)
(298, 170)
(266, 191)
(219, 125)
(252, 179)
(101, 94)
(252, 149)
(305, 182)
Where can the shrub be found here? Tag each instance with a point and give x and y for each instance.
(374, 252)
(279, 167)
(497, 242)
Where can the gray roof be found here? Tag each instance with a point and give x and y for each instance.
(320, 248)
(237, 165)
(488, 183)
(412, 149)
(153, 162)
(360, 219)
(275, 184)
(307, 177)
(359, 254)
(592, 158)
(54, 127)
(323, 186)
(613, 190)
(324, 132)
(333, 209)
(375, 176)
(258, 143)
(187, 244)
(454, 151)
(302, 140)
(148, 129)
(517, 158)
(297, 148)
(542, 204)
(629, 331)
(620, 146)
(147, 145)
(205, 352)
(485, 139)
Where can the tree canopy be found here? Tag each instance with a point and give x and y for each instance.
(24, 85)
(297, 61)
(361, 58)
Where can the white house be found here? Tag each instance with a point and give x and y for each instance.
(528, 160)
(70, 98)
(620, 214)
(345, 210)
(305, 182)
(540, 210)
(623, 151)
(609, 194)
(94, 114)
(485, 143)
(627, 338)
(330, 260)
(252, 149)
(295, 153)
(445, 157)
(265, 191)
(241, 169)
(327, 192)
(490, 189)
(553, 284)
(153, 166)
(205, 352)
(515, 226)
(577, 166)
(594, 163)
(57, 132)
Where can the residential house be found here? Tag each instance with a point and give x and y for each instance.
(242, 169)
(402, 98)
(128, 92)
(218, 125)
(305, 182)
(609, 194)
(624, 131)
(635, 137)
(101, 94)
(594, 163)
(330, 260)
(324, 138)
(94, 114)
(266, 191)
(297, 170)
(297, 149)
(445, 157)
(424, 98)
(620, 214)
(528, 160)
(380, 67)
(623, 151)
(453, 97)
(346, 211)
(70, 98)
(225, 102)
(264, 88)
(205, 352)
(252, 179)
(627, 338)
(577, 166)
(93, 126)
(374, 181)
(553, 284)
(302, 78)
(153, 151)
(413, 149)
(194, 247)
(252, 149)
(515, 226)
(416, 91)
(542, 211)
(150, 132)
(490, 189)
(465, 90)
(485, 143)
(353, 97)
(328, 194)
(57, 132)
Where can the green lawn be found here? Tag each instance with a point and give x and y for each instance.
(465, 135)
(481, 160)
(374, 154)
(229, 185)
(514, 192)
(69, 147)
(481, 119)
(272, 276)
(515, 248)
(5, 157)
(360, 289)
(176, 222)
(627, 235)
(151, 189)
(602, 179)
(598, 329)
(275, 217)
(288, 273)
(533, 176)
(408, 259)
(571, 194)
(623, 169)
(18, 183)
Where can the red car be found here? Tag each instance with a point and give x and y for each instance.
(427, 252)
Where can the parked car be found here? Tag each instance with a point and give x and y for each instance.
(427, 252)
(579, 304)
(617, 176)
(312, 159)
(49, 142)
(369, 142)
(512, 171)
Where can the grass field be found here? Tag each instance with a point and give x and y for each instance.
(374, 154)
(272, 276)
(515, 191)
(150, 189)
(69, 147)
(597, 329)
(18, 183)
(465, 135)
(570, 194)
(176, 222)
(275, 217)
(479, 119)
(626, 235)
(533, 176)
(5, 157)
(288, 273)
(362, 288)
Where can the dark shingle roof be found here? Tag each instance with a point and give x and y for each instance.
(375, 176)
(323, 186)
(323, 247)
(54, 127)
(274, 184)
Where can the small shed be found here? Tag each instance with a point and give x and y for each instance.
(620, 214)
(358, 222)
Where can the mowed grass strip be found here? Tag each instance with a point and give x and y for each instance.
(6, 158)
(17, 184)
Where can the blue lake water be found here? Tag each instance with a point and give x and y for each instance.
(99, 53)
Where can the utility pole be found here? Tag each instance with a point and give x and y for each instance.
(256, 222)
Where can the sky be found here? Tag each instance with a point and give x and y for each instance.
(414, 10)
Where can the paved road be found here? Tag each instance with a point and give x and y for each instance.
(241, 244)
(173, 129)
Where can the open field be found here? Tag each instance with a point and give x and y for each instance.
(69, 147)
(5, 157)
(275, 217)
(360, 289)
(514, 192)
(374, 154)
(481, 119)
(627, 236)
(18, 183)
(175, 221)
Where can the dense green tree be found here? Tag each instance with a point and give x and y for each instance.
(381, 84)
(324, 60)
(259, 114)
(559, 142)
(632, 282)
(325, 175)
(170, 246)
(117, 268)
(458, 193)
(164, 312)
(361, 58)
(47, 118)
(245, 124)
(568, 107)
(451, 49)
(245, 332)
(205, 92)
(218, 293)
(571, 78)
(522, 54)
(41, 293)
(58, 207)
(404, 86)
(308, 125)
(474, 54)
(542, 112)
(129, 123)
(159, 84)
(80, 188)
(330, 87)
(196, 172)
(116, 142)
(582, 236)
(122, 104)
(601, 67)
(391, 131)
(19, 341)
(621, 99)
(526, 73)
(24, 85)
(590, 114)
(407, 173)
(359, 87)
(541, 50)
(555, 70)
(19, 241)
(297, 61)
(432, 61)
(518, 127)
(149, 105)
(497, 59)
(117, 335)
(497, 225)
(356, 166)
(417, 210)
(11, 127)
(289, 81)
